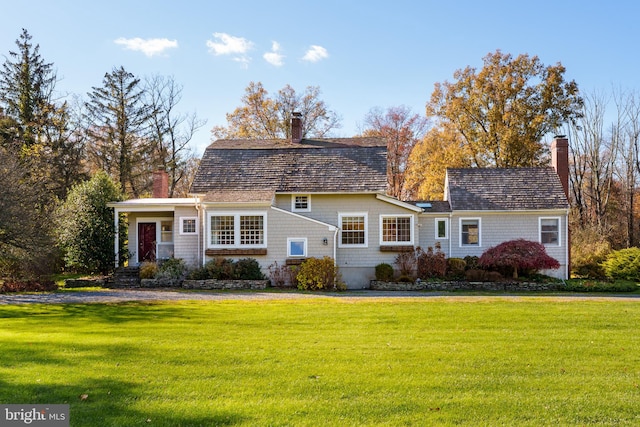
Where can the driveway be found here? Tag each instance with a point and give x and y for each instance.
(122, 295)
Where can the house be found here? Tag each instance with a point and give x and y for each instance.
(285, 201)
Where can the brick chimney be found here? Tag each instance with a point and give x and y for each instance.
(160, 184)
(560, 160)
(296, 127)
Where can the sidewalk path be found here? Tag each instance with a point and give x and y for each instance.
(122, 295)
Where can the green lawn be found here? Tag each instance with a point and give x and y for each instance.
(435, 361)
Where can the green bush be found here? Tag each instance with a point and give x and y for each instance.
(384, 272)
(227, 269)
(471, 262)
(456, 267)
(319, 274)
(247, 269)
(148, 270)
(172, 268)
(623, 264)
(587, 285)
(589, 249)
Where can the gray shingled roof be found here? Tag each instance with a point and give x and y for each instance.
(505, 189)
(313, 165)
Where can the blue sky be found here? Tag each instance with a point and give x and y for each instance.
(361, 54)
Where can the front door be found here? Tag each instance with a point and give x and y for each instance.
(146, 241)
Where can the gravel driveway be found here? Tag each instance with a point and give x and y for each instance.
(122, 295)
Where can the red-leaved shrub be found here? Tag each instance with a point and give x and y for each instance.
(518, 255)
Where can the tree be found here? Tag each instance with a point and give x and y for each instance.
(441, 148)
(171, 131)
(263, 117)
(25, 239)
(85, 226)
(118, 120)
(402, 130)
(502, 112)
(26, 88)
(518, 255)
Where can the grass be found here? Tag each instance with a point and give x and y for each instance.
(439, 361)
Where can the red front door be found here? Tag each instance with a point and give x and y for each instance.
(146, 241)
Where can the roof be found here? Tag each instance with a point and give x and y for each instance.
(249, 196)
(341, 165)
(432, 206)
(505, 189)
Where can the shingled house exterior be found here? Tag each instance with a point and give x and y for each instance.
(285, 201)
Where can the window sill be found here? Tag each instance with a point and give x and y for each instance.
(235, 252)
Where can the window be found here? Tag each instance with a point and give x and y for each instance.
(549, 231)
(188, 225)
(442, 228)
(297, 247)
(469, 231)
(300, 203)
(396, 229)
(353, 229)
(237, 230)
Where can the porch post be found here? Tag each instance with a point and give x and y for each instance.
(116, 239)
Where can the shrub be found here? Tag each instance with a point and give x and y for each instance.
(319, 274)
(456, 267)
(247, 269)
(282, 275)
(479, 275)
(27, 286)
(148, 270)
(384, 272)
(172, 268)
(582, 285)
(431, 263)
(623, 264)
(227, 269)
(471, 262)
(518, 255)
(406, 263)
(589, 249)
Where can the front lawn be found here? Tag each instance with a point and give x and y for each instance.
(487, 361)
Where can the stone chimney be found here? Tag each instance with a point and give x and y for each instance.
(296, 127)
(560, 160)
(160, 184)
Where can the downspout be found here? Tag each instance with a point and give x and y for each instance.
(335, 246)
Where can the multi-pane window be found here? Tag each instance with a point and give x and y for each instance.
(251, 229)
(550, 231)
(237, 230)
(396, 229)
(353, 229)
(222, 230)
(301, 202)
(441, 228)
(470, 232)
(188, 225)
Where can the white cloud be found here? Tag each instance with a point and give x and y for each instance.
(315, 54)
(149, 47)
(225, 44)
(274, 57)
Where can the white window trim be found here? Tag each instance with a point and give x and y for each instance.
(446, 228)
(236, 231)
(186, 218)
(304, 246)
(479, 245)
(411, 236)
(366, 229)
(293, 203)
(559, 219)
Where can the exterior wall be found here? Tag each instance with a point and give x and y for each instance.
(187, 246)
(133, 218)
(357, 265)
(498, 227)
(427, 232)
(279, 227)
